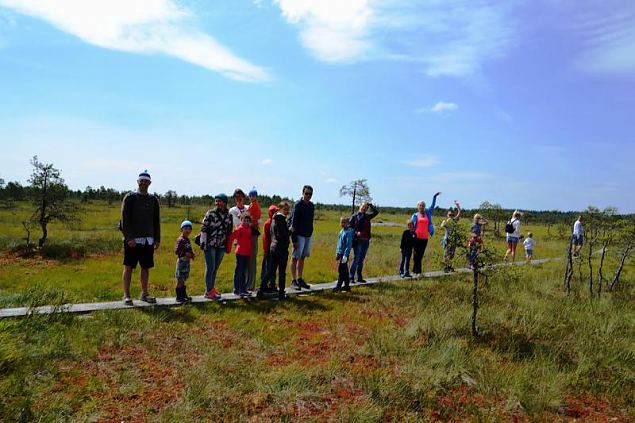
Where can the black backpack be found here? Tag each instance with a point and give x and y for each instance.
(509, 227)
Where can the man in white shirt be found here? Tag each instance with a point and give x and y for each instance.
(578, 237)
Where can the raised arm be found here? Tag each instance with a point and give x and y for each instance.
(458, 210)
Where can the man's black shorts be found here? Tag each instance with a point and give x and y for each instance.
(142, 254)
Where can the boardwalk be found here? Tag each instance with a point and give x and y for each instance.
(170, 301)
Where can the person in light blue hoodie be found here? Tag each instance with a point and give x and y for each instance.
(424, 229)
(342, 252)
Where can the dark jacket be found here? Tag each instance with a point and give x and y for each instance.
(302, 219)
(407, 239)
(360, 222)
(140, 217)
(279, 234)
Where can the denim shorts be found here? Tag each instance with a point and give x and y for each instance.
(529, 252)
(512, 239)
(182, 270)
(578, 240)
(303, 248)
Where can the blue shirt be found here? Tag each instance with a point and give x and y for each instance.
(345, 242)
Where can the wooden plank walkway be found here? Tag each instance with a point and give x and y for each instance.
(170, 301)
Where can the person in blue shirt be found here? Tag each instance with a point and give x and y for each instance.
(342, 252)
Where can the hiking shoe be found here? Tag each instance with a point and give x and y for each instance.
(127, 301)
(295, 285)
(346, 288)
(303, 284)
(212, 295)
(147, 298)
(407, 275)
(337, 289)
(360, 280)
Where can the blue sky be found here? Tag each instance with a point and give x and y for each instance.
(525, 103)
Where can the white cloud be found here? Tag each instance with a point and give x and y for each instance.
(439, 107)
(333, 30)
(608, 46)
(331, 181)
(447, 38)
(266, 162)
(140, 26)
(424, 161)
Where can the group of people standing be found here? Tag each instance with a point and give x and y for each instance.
(286, 226)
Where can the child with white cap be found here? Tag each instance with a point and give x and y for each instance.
(185, 253)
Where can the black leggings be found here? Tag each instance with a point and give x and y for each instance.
(420, 249)
(278, 263)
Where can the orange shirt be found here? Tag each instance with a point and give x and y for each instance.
(255, 213)
(422, 227)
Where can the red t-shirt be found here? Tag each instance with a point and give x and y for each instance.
(422, 227)
(242, 235)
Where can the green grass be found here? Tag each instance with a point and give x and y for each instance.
(86, 256)
(398, 351)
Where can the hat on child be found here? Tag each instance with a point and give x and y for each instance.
(222, 197)
(253, 192)
(186, 224)
(144, 176)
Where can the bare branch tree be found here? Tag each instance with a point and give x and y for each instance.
(358, 191)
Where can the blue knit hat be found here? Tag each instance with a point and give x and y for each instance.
(144, 176)
(253, 192)
(186, 224)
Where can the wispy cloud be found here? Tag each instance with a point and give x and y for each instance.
(439, 107)
(446, 38)
(424, 161)
(140, 26)
(608, 46)
(266, 162)
(331, 181)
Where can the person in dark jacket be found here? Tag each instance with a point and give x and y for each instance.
(360, 222)
(301, 236)
(406, 245)
(278, 251)
(141, 227)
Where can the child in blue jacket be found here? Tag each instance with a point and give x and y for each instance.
(343, 250)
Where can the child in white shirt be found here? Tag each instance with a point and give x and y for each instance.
(529, 246)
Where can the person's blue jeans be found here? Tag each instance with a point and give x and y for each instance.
(240, 274)
(213, 259)
(360, 255)
(404, 266)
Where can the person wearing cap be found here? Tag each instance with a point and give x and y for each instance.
(215, 230)
(141, 227)
(184, 252)
(256, 213)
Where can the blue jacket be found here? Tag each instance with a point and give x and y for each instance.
(429, 211)
(345, 242)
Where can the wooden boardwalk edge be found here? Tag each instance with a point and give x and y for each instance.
(171, 301)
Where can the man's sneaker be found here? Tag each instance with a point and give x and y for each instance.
(295, 285)
(127, 301)
(282, 296)
(407, 275)
(303, 284)
(260, 294)
(147, 298)
(346, 288)
(360, 280)
(337, 289)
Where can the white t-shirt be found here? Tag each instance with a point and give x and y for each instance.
(516, 223)
(529, 243)
(577, 228)
(236, 213)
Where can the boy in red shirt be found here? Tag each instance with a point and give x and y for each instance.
(242, 235)
(268, 283)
